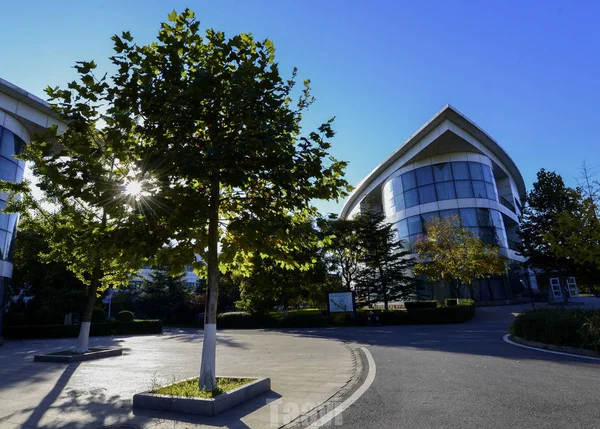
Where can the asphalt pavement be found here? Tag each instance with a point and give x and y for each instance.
(466, 376)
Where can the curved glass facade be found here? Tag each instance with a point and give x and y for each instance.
(484, 223)
(439, 182)
(11, 170)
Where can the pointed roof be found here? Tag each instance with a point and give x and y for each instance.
(446, 113)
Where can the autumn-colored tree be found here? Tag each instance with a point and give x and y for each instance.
(449, 252)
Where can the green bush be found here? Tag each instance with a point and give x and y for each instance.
(573, 328)
(424, 316)
(125, 316)
(413, 305)
(450, 302)
(137, 327)
(305, 320)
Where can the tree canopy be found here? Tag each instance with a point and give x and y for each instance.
(451, 253)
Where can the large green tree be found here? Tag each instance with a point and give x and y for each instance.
(450, 253)
(548, 198)
(223, 141)
(384, 269)
(343, 251)
(87, 176)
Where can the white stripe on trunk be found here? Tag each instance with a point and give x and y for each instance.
(208, 379)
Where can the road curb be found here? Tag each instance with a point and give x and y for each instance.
(551, 348)
(361, 369)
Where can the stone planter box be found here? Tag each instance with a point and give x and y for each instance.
(202, 406)
(93, 353)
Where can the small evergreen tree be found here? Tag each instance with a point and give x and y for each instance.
(384, 273)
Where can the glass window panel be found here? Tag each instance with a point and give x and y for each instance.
(468, 217)
(405, 244)
(402, 228)
(413, 239)
(4, 221)
(446, 214)
(424, 175)
(488, 176)
(475, 230)
(409, 180)
(426, 194)
(491, 191)
(397, 186)
(476, 171)
(483, 217)
(411, 198)
(12, 221)
(460, 170)
(427, 218)
(497, 219)
(19, 145)
(445, 191)
(464, 189)
(19, 175)
(7, 242)
(479, 189)
(2, 241)
(399, 202)
(7, 145)
(442, 172)
(488, 235)
(8, 170)
(11, 247)
(414, 225)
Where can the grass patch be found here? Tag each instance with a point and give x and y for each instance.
(189, 388)
(73, 352)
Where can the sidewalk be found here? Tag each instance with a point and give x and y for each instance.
(304, 373)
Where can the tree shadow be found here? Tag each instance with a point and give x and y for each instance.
(483, 335)
(17, 365)
(190, 335)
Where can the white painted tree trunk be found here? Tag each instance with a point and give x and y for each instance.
(208, 379)
(208, 372)
(84, 338)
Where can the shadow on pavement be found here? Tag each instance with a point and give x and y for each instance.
(480, 336)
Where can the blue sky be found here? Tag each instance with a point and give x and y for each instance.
(527, 72)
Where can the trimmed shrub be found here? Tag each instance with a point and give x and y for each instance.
(137, 327)
(425, 316)
(125, 316)
(413, 305)
(245, 320)
(573, 328)
(307, 320)
(450, 302)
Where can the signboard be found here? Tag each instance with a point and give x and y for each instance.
(341, 302)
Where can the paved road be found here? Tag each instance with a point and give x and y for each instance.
(304, 372)
(466, 376)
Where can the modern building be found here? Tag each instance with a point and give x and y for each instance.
(21, 116)
(189, 276)
(449, 167)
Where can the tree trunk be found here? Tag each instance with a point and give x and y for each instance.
(208, 379)
(457, 289)
(86, 320)
(383, 289)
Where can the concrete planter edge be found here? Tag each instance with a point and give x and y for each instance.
(91, 355)
(202, 406)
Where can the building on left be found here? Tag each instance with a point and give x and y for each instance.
(22, 115)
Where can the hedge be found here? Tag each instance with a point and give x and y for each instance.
(316, 319)
(137, 327)
(561, 327)
(413, 305)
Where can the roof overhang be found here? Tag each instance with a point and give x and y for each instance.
(447, 113)
(33, 112)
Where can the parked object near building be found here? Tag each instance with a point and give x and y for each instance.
(450, 167)
(22, 115)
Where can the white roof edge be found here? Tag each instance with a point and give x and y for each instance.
(445, 113)
(26, 97)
